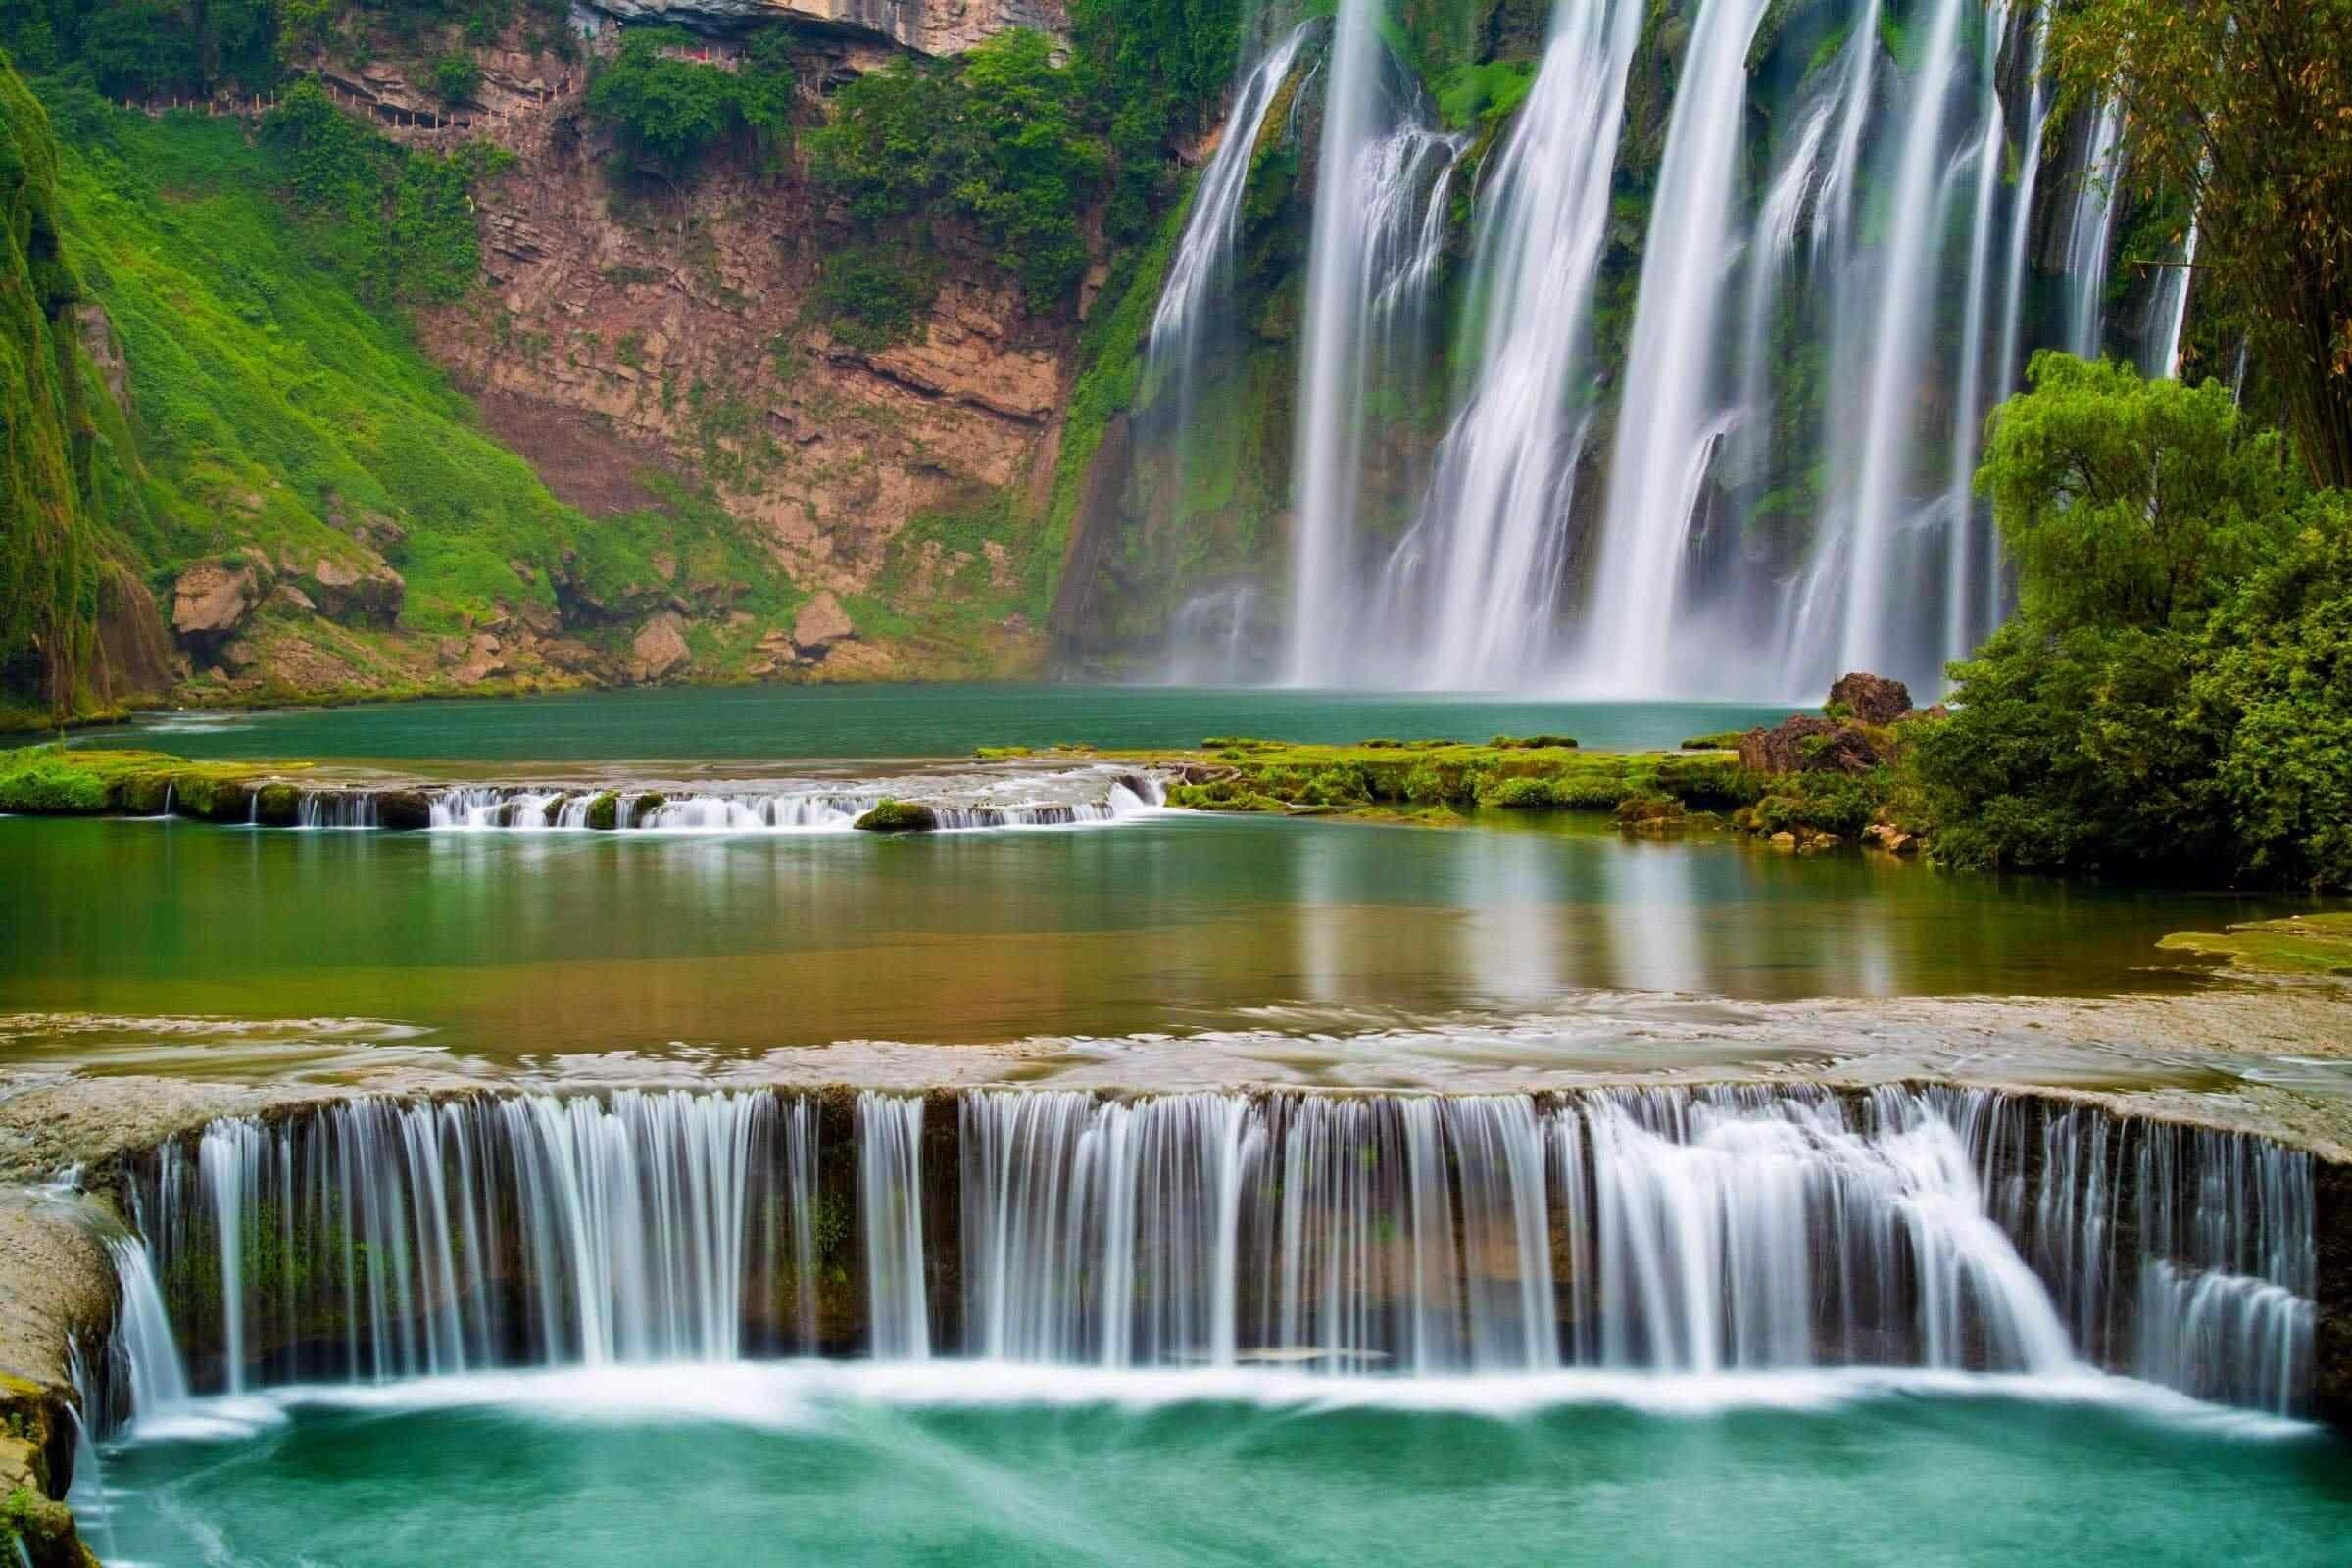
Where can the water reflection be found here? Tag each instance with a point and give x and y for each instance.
(519, 944)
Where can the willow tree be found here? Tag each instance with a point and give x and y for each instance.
(2245, 106)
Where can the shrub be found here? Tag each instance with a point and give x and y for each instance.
(670, 113)
(456, 78)
(874, 297)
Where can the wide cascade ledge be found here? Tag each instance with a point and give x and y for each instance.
(951, 799)
(1670, 1231)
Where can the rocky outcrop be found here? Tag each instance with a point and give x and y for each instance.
(368, 591)
(659, 649)
(1870, 699)
(1804, 744)
(134, 654)
(928, 26)
(820, 623)
(213, 597)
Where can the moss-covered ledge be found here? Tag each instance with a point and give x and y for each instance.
(1434, 780)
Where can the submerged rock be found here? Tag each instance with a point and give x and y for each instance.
(899, 817)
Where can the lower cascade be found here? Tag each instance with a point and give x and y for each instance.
(1691, 1231)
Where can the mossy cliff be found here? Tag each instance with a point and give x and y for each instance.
(68, 614)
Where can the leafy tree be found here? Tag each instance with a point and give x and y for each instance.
(881, 144)
(2246, 107)
(2275, 677)
(2129, 503)
(456, 78)
(671, 112)
(1023, 166)
(2175, 693)
(1001, 141)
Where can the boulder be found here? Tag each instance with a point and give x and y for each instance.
(899, 817)
(821, 622)
(212, 599)
(404, 810)
(1870, 699)
(660, 648)
(368, 592)
(1803, 744)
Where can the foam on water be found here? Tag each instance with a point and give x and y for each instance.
(800, 1395)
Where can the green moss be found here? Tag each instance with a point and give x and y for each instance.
(47, 781)
(899, 817)
(604, 811)
(50, 544)
(2302, 944)
(1383, 776)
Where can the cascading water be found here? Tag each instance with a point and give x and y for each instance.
(1371, 259)
(1658, 1230)
(1204, 264)
(959, 803)
(1878, 581)
(2091, 228)
(377, 1239)
(1785, 456)
(889, 1196)
(1472, 587)
(1672, 417)
(2168, 312)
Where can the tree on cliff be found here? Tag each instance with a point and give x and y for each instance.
(2246, 107)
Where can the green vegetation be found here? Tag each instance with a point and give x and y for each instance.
(277, 410)
(397, 225)
(1722, 740)
(456, 78)
(876, 296)
(49, 543)
(54, 781)
(1235, 775)
(1160, 67)
(1476, 96)
(40, 1530)
(2175, 695)
(670, 112)
(2244, 112)
(997, 140)
(2301, 943)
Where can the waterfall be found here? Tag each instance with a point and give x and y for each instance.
(1969, 547)
(1882, 498)
(1381, 186)
(1203, 265)
(2168, 312)
(1328, 459)
(974, 801)
(890, 1196)
(1489, 545)
(2091, 227)
(1663, 1230)
(376, 1239)
(145, 1353)
(1671, 419)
